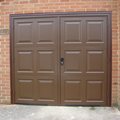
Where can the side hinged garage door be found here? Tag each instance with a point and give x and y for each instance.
(84, 49)
(35, 53)
(61, 59)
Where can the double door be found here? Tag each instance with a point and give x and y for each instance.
(60, 60)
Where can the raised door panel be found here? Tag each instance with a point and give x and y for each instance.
(24, 32)
(96, 61)
(72, 90)
(46, 61)
(24, 89)
(96, 31)
(95, 90)
(73, 62)
(24, 61)
(47, 90)
(71, 31)
(46, 31)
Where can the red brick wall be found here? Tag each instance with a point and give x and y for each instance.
(39, 6)
(119, 51)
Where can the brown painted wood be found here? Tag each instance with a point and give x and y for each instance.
(85, 47)
(35, 52)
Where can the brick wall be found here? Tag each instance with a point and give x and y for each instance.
(39, 6)
(119, 51)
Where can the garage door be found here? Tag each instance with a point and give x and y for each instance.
(61, 60)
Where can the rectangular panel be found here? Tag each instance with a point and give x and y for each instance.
(71, 30)
(46, 32)
(71, 36)
(46, 61)
(24, 32)
(94, 90)
(46, 90)
(94, 31)
(43, 29)
(95, 61)
(72, 90)
(72, 61)
(24, 61)
(25, 90)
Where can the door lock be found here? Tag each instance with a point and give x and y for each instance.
(62, 60)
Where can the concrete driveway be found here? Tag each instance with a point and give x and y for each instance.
(36, 112)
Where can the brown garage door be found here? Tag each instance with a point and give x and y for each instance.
(80, 77)
(36, 60)
(84, 49)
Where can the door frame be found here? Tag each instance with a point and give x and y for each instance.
(68, 14)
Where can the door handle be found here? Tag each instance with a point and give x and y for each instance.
(62, 60)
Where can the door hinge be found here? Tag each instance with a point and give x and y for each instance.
(107, 94)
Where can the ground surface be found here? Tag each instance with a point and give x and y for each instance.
(36, 112)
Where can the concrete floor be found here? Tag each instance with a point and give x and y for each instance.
(36, 112)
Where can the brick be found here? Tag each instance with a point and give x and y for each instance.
(38, 11)
(69, 10)
(5, 3)
(60, 10)
(53, 7)
(85, 6)
(9, 6)
(78, 10)
(91, 9)
(6, 101)
(95, 6)
(64, 0)
(74, 6)
(60, 4)
(9, 0)
(28, 11)
(33, 1)
(64, 7)
(81, 3)
(8, 13)
(103, 3)
(74, 0)
(22, 9)
(70, 3)
(14, 9)
(54, 0)
(48, 10)
(43, 0)
(2, 10)
(1, 7)
(23, 2)
(33, 8)
(49, 4)
(44, 7)
(18, 6)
